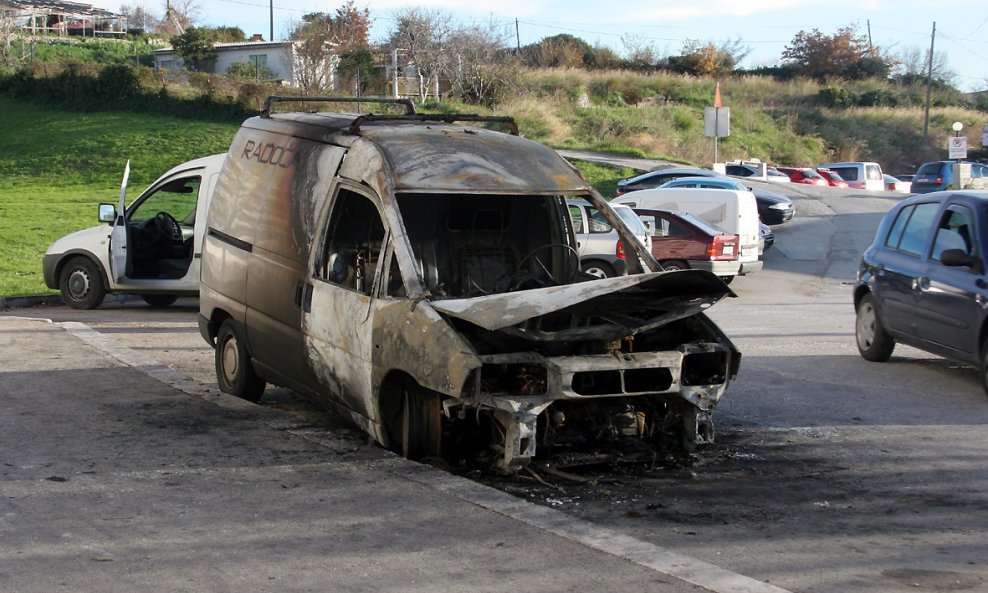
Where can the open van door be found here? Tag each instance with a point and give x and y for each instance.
(118, 236)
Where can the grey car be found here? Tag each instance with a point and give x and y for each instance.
(601, 252)
(922, 281)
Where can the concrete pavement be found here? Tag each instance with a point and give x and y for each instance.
(121, 474)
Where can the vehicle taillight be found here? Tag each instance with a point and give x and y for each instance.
(723, 248)
(939, 179)
(619, 250)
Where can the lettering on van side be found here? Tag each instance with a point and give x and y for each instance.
(270, 153)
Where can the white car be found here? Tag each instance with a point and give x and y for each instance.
(151, 248)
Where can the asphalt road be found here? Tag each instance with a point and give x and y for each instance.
(830, 474)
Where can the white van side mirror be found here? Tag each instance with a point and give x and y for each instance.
(107, 213)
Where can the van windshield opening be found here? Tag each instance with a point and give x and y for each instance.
(468, 245)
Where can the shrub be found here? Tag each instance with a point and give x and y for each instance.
(834, 96)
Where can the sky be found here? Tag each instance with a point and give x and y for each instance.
(763, 26)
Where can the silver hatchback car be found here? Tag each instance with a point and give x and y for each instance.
(601, 252)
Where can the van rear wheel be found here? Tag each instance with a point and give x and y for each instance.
(234, 371)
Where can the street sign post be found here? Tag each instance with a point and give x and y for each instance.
(957, 147)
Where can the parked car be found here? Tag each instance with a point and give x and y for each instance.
(922, 281)
(681, 241)
(804, 175)
(601, 251)
(773, 208)
(859, 174)
(939, 176)
(150, 248)
(419, 274)
(732, 211)
(897, 185)
(768, 237)
(833, 178)
(752, 170)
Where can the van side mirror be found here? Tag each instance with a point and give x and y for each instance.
(957, 258)
(107, 213)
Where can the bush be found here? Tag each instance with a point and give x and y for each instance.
(834, 96)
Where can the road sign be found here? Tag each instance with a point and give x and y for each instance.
(957, 147)
(717, 122)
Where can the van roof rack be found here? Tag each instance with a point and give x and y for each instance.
(436, 117)
(271, 100)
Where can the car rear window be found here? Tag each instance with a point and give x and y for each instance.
(928, 169)
(846, 173)
(912, 228)
(872, 172)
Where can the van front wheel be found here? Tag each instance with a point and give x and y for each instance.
(234, 371)
(421, 428)
(81, 284)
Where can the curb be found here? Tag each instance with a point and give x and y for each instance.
(49, 300)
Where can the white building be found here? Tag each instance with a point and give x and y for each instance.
(275, 57)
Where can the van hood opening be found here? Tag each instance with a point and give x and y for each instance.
(619, 306)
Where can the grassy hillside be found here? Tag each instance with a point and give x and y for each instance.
(786, 123)
(59, 165)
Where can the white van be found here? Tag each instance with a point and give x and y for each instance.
(859, 174)
(150, 248)
(732, 211)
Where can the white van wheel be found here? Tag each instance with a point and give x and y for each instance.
(234, 370)
(81, 284)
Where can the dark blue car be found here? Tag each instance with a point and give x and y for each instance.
(922, 281)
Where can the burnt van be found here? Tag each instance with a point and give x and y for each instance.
(420, 274)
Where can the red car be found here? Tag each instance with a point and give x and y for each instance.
(682, 241)
(832, 177)
(804, 175)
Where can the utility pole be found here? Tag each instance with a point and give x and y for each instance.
(929, 83)
(517, 37)
(271, 14)
(871, 46)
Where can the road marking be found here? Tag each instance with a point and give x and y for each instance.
(681, 566)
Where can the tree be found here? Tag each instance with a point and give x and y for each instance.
(706, 59)
(139, 18)
(179, 16)
(558, 51)
(473, 60)
(845, 54)
(912, 66)
(6, 35)
(320, 35)
(420, 37)
(195, 47)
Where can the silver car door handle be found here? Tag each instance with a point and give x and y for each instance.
(921, 283)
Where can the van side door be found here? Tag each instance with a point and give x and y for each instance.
(338, 316)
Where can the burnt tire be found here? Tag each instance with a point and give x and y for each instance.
(81, 284)
(874, 343)
(420, 428)
(234, 371)
(159, 300)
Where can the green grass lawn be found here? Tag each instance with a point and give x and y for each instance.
(56, 166)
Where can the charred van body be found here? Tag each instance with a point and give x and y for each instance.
(421, 275)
